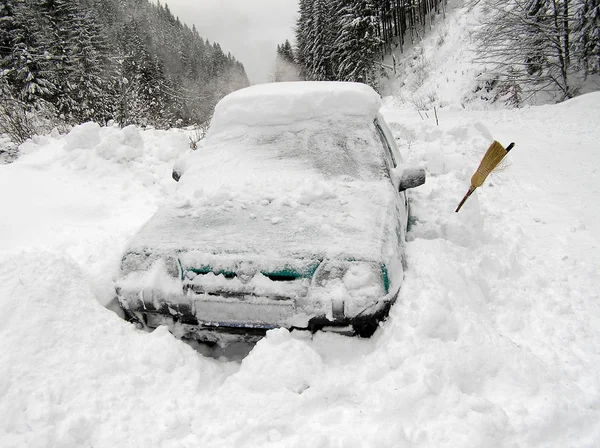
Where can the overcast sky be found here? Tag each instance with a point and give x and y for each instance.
(249, 29)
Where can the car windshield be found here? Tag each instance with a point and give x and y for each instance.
(353, 150)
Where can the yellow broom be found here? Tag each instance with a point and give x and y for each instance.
(491, 160)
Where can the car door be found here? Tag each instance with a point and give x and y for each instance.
(393, 159)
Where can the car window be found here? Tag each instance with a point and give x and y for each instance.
(391, 139)
(387, 148)
(349, 149)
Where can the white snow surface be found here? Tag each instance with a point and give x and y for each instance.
(313, 189)
(494, 340)
(85, 194)
(286, 102)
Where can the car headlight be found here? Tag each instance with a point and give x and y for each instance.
(135, 262)
(173, 267)
(355, 275)
(365, 279)
(349, 287)
(141, 262)
(329, 271)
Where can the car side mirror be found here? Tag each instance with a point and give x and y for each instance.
(411, 178)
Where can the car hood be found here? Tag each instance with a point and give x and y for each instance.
(308, 220)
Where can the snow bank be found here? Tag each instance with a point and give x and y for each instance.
(80, 376)
(502, 292)
(494, 341)
(84, 194)
(285, 103)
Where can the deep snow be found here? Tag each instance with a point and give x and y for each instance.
(85, 194)
(494, 340)
(287, 103)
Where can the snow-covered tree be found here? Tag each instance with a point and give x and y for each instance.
(531, 39)
(89, 77)
(58, 18)
(129, 60)
(286, 68)
(286, 51)
(344, 39)
(357, 45)
(303, 27)
(25, 66)
(320, 37)
(587, 35)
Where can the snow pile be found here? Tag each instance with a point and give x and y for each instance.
(77, 374)
(294, 373)
(510, 298)
(494, 340)
(84, 194)
(286, 103)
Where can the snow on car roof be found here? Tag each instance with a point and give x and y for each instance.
(288, 102)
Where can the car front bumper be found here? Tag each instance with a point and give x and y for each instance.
(224, 318)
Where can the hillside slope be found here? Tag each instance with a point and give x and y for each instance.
(445, 68)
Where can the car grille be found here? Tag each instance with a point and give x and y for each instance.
(243, 280)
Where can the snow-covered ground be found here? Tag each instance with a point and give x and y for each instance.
(85, 194)
(494, 341)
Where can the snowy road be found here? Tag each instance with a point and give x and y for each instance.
(495, 339)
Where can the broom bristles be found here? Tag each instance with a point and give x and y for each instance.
(492, 158)
(494, 155)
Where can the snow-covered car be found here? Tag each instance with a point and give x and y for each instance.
(293, 213)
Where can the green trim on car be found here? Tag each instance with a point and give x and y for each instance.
(386, 277)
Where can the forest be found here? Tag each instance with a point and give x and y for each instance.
(129, 61)
(347, 40)
(523, 45)
(64, 62)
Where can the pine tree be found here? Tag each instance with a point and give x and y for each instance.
(287, 51)
(89, 76)
(8, 23)
(59, 18)
(357, 45)
(303, 27)
(285, 64)
(319, 43)
(587, 32)
(24, 63)
(129, 60)
(134, 76)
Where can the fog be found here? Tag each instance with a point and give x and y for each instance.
(249, 29)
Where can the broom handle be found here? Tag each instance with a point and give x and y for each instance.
(469, 193)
